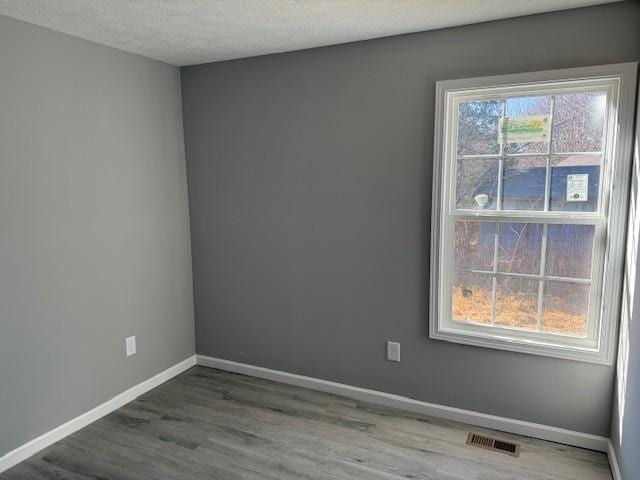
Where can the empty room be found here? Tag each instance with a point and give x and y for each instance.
(319, 240)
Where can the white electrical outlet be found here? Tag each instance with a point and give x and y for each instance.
(130, 345)
(393, 351)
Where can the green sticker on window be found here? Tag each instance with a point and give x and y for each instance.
(530, 128)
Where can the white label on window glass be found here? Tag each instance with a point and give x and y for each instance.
(529, 128)
(577, 187)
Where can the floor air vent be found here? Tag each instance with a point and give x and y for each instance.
(489, 443)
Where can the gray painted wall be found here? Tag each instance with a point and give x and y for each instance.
(625, 421)
(310, 182)
(94, 236)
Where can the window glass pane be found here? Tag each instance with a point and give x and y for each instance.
(575, 183)
(478, 127)
(578, 122)
(472, 298)
(565, 308)
(523, 183)
(477, 184)
(569, 250)
(520, 108)
(519, 247)
(474, 245)
(517, 302)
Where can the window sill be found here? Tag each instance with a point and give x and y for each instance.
(521, 345)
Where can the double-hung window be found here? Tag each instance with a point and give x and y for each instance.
(531, 176)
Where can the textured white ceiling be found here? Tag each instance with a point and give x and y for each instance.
(186, 32)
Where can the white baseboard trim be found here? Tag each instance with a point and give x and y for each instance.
(519, 427)
(34, 446)
(613, 462)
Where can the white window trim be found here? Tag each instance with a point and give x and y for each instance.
(621, 79)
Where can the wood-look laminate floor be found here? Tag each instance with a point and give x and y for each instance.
(209, 424)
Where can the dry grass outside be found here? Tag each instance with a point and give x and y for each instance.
(516, 311)
(474, 307)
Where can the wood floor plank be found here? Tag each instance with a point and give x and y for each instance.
(209, 424)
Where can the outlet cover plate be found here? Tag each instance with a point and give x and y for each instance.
(393, 351)
(130, 345)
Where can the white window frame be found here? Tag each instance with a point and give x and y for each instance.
(610, 219)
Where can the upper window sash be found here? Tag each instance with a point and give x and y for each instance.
(609, 85)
